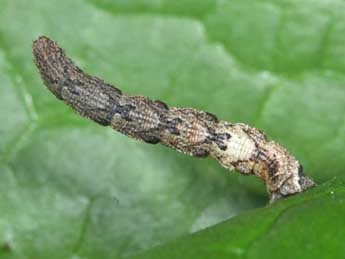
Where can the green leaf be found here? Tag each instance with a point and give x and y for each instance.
(300, 227)
(70, 188)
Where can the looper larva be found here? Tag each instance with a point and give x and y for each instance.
(235, 145)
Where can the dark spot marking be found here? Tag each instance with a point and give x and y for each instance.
(211, 134)
(104, 116)
(79, 70)
(300, 174)
(178, 120)
(112, 90)
(67, 82)
(51, 81)
(236, 163)
(117, 90)
(201, 153)
(173, 130)
(79, 82)
(218, 138)
(220, 143)
(66, 68)
(212, 117)
(222, 146)
(161, 105)
(263, 134)
(73, 91)
(54, 86)
(173, 126)
(300, 171)
(123, 111)
(272, 168)
(261, 155)
(104, 122)
(170, 124)
(150, 139)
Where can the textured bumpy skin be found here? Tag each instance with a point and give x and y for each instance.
(235, 145)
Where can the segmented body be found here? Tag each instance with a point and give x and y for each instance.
(200, 134)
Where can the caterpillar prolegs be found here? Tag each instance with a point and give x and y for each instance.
(236, 146)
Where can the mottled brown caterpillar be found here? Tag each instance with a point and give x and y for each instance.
(235, 145)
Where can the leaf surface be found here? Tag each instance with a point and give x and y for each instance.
(69, 187)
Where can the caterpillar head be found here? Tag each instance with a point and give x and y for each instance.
(295, 183)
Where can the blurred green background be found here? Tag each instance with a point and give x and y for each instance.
(72, 189)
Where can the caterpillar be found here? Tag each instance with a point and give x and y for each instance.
(236, 146)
